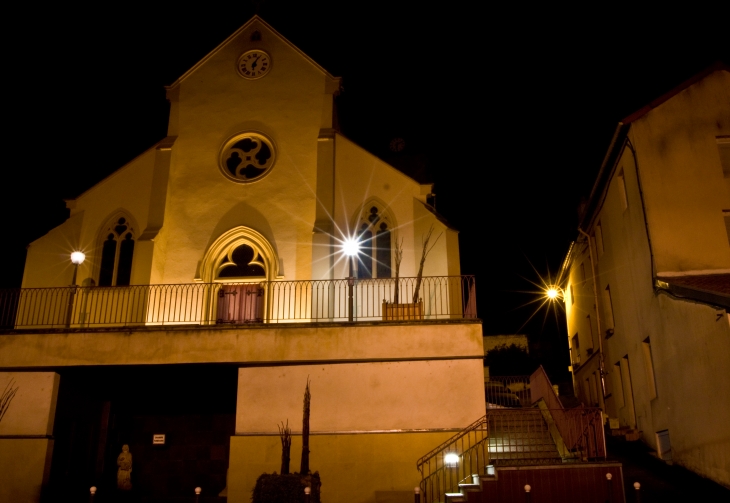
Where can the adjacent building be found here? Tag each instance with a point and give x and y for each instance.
(216, 283)
(648, 278)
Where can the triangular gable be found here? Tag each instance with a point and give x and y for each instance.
(247, 25)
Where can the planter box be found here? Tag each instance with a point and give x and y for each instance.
(402, 311)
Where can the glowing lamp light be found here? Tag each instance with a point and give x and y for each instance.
(77, 258)
(451, 459)
(351, 247)
(552, 293)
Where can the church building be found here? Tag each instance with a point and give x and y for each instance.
(190, 296)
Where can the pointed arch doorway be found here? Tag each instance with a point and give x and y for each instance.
(239, 264)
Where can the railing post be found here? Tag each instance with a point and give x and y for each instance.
(417, 495)
(528, 495)
(198, 490)
(637, 492)
(307, 492)
(92, 492)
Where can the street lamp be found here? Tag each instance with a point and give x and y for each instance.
(351, 247)
(554, 292)
(77, 258)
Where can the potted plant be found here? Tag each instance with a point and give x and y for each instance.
(289, 487)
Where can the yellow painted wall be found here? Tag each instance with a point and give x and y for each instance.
(682, 177)
(355, 468)
(25, 435)
(362, 396)
(268, 343)
(24, 468)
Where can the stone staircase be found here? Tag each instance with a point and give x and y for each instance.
(520, 437)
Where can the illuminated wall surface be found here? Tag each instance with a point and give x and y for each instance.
(662, 217)
(251, 158)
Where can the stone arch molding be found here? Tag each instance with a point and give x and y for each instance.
(227, 242)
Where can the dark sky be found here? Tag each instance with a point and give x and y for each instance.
(513, 105)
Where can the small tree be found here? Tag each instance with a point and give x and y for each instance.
(285, 436)
(7, 397)
(304, 467)
(424, 253)
(398, 255)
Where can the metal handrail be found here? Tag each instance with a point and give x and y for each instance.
(440, 297)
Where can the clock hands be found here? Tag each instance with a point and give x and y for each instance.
(253, 65)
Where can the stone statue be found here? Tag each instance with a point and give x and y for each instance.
(124, 473)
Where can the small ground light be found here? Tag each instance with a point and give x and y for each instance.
(528, 488)
(609, 476)
(92, 490)
(451, 459)
(637, 486)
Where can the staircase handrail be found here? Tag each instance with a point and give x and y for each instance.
(541, 388)
(472, 427)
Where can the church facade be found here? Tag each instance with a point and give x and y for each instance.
(217, 279)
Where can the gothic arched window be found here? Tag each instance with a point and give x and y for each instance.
(117, 251)
(374, 260)
(242, 262)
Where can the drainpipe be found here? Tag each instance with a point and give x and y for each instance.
(601, 367)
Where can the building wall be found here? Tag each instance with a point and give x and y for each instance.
(677, 145)
(663, 356)
(26, 443)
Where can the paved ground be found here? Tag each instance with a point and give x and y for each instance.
(660, 482)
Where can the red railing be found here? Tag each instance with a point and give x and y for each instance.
(439, 297)
(581, 428)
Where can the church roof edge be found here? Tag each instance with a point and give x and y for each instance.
(255, 19)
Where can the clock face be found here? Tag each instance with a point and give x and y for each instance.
(254, 64)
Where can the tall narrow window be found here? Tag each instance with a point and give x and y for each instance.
(622, 189)
(590, 332)
(383, 254)
(582, 273)
(374, 235)
(649, 365)
(618, 391)
(575, 349)
(365, 257)
(599, 239)
(608, 309)
(117, 252)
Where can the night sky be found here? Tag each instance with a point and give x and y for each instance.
(514, 107)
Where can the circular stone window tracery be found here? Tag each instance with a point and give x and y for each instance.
(247, 157)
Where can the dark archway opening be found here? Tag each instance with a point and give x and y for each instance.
(102, 408)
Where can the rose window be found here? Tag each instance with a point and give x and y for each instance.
(247, 157)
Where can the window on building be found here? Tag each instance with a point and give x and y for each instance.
(608, 310)
(589, 349)
(374, 235)
(618, 391)
(117, 251)
(622, 189)
(575, 350)
(582, 273)
(599, 239)
(242, 262)
(572, 295)
(649, 365)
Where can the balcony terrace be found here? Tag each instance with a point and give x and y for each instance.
(321, 301)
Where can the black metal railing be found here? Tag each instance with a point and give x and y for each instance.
(439, 297)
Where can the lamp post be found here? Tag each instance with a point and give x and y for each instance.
(77, 258)
(351, 248)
